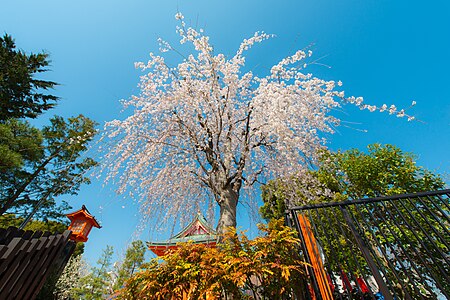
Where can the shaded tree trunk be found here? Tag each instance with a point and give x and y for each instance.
(228, 204)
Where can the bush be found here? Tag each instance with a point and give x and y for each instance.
(268, 267)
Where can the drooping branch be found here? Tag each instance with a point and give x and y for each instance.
(217, 127)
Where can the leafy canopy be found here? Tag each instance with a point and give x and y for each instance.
(381, 171)
(53, 165)
(134, 258)
(19, 143)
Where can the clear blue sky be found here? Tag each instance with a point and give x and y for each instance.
(386, 51)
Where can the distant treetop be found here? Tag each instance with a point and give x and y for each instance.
(21, 94)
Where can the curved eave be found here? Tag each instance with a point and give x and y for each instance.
(161, 248)
(196, 240)
(85, 213)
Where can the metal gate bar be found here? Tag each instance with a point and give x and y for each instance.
(391, 247)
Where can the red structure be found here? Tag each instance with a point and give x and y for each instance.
(81, 224)
(198, 231)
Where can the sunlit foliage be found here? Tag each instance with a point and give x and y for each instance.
(267, 267)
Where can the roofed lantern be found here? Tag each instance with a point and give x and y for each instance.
(198, 232)
(81, 224)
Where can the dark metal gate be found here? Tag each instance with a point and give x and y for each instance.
(394, 247)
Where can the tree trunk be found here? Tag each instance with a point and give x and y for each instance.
(10, 201)
(228, 204)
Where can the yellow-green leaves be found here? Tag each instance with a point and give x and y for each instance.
(267, 267)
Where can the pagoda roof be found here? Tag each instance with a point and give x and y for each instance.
(198, 232)
(83, 212)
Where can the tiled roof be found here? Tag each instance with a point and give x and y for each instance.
(198, 232)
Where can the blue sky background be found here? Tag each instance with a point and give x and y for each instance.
(386, 51)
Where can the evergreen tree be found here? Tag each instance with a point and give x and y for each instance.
(97, 284)
(134, 258)
(55, 167)
(19, 142)
(36, 165)
(21, 94)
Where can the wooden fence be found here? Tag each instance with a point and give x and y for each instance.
(28, 259)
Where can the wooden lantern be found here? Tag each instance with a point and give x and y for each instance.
(81, 224)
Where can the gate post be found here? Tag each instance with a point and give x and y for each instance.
(366, 253)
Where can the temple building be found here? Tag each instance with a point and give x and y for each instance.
(198, 231)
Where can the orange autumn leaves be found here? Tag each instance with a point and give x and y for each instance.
(267, 267)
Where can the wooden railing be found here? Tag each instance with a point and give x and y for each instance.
(28, 259)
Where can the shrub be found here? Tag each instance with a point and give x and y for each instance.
(267, 267)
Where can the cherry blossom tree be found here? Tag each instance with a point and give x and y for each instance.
(70, 280)
(204, 130)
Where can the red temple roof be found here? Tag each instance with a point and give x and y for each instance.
(83, 212)
(198, 231)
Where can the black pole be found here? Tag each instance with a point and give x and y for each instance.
(365, 251)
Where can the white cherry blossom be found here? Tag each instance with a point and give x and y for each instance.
(201, 131)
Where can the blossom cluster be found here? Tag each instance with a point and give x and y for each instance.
(208, 124)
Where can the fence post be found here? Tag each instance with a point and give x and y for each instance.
(306, 293)
(366, 253)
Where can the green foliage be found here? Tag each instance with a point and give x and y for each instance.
(52, 166)
(134, 257)
(267, 267)
(97, 284)
(21, 94)
(275, 199)
(19, 143)
(36, 165)
(384, 170)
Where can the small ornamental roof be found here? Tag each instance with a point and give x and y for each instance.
(198, 232)
(84, 213)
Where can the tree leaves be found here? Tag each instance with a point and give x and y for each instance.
(51, 163)
(381, 171)
(21, 95)
(36, 165)
(134, 258)
(267, 267)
